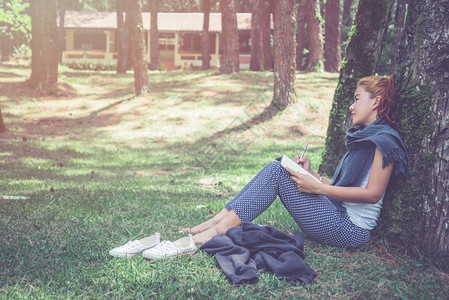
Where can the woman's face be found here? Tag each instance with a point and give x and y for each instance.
(364, 108)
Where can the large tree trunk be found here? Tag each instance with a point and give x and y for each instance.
(2, 124)
(137, 46)
(416, 208)
(256, 35)
(284, 55)
(346, 21)
(266, 36)
(205, 37)
(230, 40)
(301, 34)
(154, 37)
(382, 36)
(123, 58)
(359, 62)
(62, 8)
(260, 15)
(332, 48)
(44, 45)
(398, 29)
(314, 36)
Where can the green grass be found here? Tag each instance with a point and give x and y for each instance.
(100, 167)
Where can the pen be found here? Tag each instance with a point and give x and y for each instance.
(303, 151)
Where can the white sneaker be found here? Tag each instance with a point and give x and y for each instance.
(169, 249)
(136, 247)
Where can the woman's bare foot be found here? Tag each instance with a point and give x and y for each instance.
(204, 236)
(230, 220)
(207, 224)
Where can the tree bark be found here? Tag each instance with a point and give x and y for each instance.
(301, 34)
(230, 41)
(6, 47)
(332, 48)
(359, 62)
(154, 37)
(260, 36)
(398, 29)
(256, 35)
(314, 36)
(137, 46)
(62, 8)
(346, 20)
(123, 57)
(383, 34)
(416, 208)
(266, 36)
(205, 37)
(2, 124)
(284, 54)
(44, 45)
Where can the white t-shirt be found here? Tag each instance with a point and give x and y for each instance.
(364, 215)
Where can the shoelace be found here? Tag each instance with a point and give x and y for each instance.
(131, 245)
(165, 246)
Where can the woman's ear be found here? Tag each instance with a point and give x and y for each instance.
(376, 102)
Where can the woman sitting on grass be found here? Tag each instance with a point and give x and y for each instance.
(339, 212)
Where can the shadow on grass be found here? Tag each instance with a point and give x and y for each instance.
(14, 66)
(225, 136)
(61, 126)
(8, 74)
(16, 91)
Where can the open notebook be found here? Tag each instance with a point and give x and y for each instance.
(286, 162)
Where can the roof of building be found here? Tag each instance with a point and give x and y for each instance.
(166, 22)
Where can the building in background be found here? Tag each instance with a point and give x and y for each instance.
(90, 39)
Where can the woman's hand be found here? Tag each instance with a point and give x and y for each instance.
(305, 183)
(303, 161)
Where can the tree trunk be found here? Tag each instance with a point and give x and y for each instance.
(383, 34)
(123, 58)
(284, 54)
(154, 37)
(2, 124)
(332, 48)
(359, 62)
(230, 41)
(416, 208)
(346, 20)
(266, 36)
(398, 29)
(137, 46)
(62, 8)
(301, 34)
(7, 46)
(205, 37)
(260, 15)
(256, 35)
(44, 45)
(314, 36)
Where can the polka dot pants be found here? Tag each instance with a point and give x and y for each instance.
(321, 218)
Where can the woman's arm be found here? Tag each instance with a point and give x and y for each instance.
(377, 183)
